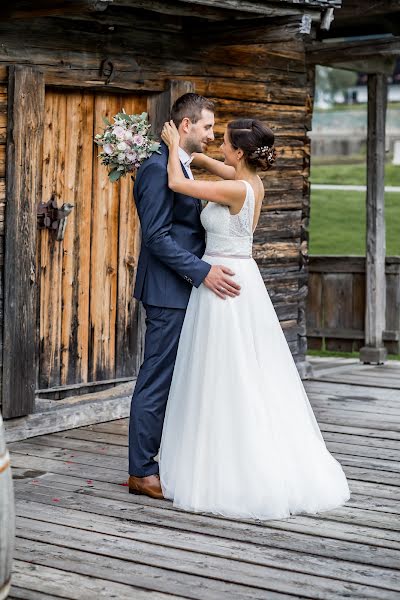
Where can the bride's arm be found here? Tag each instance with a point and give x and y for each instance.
(216, 167)
(230, 193)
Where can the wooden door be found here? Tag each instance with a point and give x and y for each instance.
(87, 319)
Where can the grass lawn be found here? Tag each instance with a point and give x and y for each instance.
(344, 354)
(337, 223)
(350, 174)
(337, 218)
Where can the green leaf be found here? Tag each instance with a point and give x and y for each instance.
(106, 121)
(114, 175)
(154, 147)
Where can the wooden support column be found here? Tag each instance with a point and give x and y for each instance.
(159, 105)
(374, 350)
(24, 166)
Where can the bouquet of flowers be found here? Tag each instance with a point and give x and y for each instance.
(125, 144)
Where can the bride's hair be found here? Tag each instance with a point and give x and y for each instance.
(256, 140)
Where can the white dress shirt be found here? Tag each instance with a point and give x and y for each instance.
(185, 160)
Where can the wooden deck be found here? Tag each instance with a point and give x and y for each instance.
(81, 536)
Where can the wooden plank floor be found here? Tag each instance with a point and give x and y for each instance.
(80, 535)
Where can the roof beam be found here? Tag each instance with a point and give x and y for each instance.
(362, 55)
(208, 9)
(352, 9)
(271, 8)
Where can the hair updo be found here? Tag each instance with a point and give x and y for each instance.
(255, 140)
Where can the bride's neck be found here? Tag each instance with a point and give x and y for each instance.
(243, 172)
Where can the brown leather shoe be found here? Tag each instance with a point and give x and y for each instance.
(149, 486)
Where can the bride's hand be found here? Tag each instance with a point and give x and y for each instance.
(170, 134)
(197, 159)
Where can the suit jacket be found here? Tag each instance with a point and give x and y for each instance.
(173, 238)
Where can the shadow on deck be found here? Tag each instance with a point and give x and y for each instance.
(80, 535)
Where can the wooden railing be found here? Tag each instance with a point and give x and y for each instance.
(336, 303)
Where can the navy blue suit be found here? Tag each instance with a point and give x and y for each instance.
(173, 240)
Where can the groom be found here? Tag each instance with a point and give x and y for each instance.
(173, 240)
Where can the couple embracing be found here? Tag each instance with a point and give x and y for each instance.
(218, 399)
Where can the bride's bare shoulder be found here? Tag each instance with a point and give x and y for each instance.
(260, 188)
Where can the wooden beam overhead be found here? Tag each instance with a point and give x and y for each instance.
(256, 31)
(52, 8)
(346, 52)
(351, 10)
(373, 64)
(214, 10)
(365, 17)
(270, 8)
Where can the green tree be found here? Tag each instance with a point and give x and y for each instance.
(331, 81)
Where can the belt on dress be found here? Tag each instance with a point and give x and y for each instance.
(228, 255)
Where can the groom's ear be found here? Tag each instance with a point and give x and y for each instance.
(185, 124)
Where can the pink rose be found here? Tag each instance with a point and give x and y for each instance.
(138, 139)
(108, 148)
(119, 132)
(131, 156)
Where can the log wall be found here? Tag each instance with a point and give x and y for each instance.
(3, 123)
(140, 52)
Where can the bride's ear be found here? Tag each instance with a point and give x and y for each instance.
(239, 153)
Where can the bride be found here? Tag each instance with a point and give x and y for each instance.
(239, 438)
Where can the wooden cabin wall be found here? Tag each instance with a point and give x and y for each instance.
(3, 122)
(268, 81)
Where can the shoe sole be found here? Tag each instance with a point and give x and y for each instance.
(137, 493)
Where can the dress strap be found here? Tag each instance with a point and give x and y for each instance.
(251, 200)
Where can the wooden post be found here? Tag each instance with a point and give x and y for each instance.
(24, 166)
(374, 350)
(159, 105)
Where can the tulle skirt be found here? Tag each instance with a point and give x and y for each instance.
(240, 438)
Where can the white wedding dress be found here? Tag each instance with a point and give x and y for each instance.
(240, 438)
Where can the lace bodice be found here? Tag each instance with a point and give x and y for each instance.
(229, 234)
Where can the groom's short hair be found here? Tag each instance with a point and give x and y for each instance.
(190, 105)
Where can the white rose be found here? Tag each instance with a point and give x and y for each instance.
(121, 157)
(108, 148)
(122, 146)
(128, 135)
(119, 132)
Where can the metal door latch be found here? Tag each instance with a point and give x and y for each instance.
(49, 216)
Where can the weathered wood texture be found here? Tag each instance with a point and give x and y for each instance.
(24, 152)
(3, 126)
(7, 516)
(126, 50)
(88, 317)
(376, 227)
(336, 303)
(79, 531)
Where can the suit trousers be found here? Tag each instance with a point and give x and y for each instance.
(149, 400)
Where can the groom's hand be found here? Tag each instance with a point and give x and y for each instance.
(219, 282)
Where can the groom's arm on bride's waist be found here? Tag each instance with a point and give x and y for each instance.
(154, 202)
